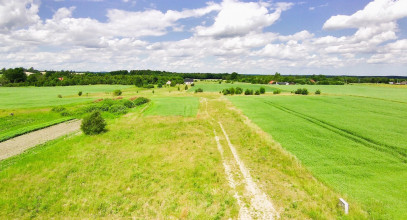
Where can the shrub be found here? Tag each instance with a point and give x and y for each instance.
(238, 90)
(90, 108)
(93, 124)
(248, 92)
(58, 109)
(159, 85)
(140, 101)
(148, 86)
(276, 91)
(80, 93)
(192, 84)
(178, 88)
(186, 87)
(128, 103)
(117, 92)
(232, 91)
(118, 109)
(318, 92)
(226, 92)
(257, 92)
(198, 90)
(59, 96)
(65, 113)
(304, 91)
(262, 90)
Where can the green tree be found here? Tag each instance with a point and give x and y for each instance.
(93, 124)
(15, 75)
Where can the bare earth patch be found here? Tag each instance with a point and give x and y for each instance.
(21, 143)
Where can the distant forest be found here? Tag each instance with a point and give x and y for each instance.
(144, 78)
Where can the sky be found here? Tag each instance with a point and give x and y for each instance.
(331, 37)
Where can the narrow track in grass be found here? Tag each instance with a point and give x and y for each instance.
(400, 153)
(259, 206)
(21, 143)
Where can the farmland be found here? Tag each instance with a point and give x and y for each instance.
(162, 160)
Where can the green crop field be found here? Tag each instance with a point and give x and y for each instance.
(31, 97)
(216, 87)
(167, 106)
(354, 144)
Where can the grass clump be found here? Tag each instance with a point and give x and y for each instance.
(58, 109)
(198, 90)
(318, 92)
(140, 101)
(93, 124)
(276, 92)
(80, 93)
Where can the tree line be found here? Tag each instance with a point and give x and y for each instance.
(142, 78)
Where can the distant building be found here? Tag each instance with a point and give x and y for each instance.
(61, 78)
(29, 73)
(168, 83)
(403, 83)
(188, 81)
(391, 83)
(271, 82)
(283, 83)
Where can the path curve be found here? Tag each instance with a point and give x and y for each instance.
(21, 143)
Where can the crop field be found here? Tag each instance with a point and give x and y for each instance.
(174, 106)
(216, 87)
(32, 97)
(354, 144)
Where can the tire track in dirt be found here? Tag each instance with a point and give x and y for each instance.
(21, 143)
(260, 206)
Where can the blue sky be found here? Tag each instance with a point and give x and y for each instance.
(255, 37)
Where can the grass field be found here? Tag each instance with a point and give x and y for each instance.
(357, 145)
(33, 97)
(216, 87)
(171, 106)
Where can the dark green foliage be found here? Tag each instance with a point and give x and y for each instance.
(128, 103)
(149, 86)
(257, 92)
(140, 101)
(303, 91)
(159, 85)
(198, 90)
(58, 109)
(15, 75)
(118, 109)
(248, 92)
(93, 124)
(186, 87)
(192, 84)
(173, 83)
(65, 113)
(262, 90)
(59, 96)
(278, 91)
(238, 91)
(80, 93)
(117, 92)
(318, 92)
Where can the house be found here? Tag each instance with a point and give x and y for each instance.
(271, 82)
(283, 83)
(188, 81)
(168, 83)
(391, 83)
(61, 78)
(29, 73)
(403, 83)
(313, 81)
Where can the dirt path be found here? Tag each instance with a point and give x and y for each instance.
(21, 143)
(253, 202)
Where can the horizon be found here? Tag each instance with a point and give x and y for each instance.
(332, 38)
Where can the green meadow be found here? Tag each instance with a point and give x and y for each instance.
(34, 97)
(172, 106)
(354, 144)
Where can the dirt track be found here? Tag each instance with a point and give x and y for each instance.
(21, 143)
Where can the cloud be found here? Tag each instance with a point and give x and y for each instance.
(240, 18)
(376, 12)
(18, 14)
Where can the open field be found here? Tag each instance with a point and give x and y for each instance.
(216, 87)
(197, 156)
(182, 106)
(357, 145)
(33, 97)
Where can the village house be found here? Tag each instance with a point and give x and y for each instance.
(188, 81)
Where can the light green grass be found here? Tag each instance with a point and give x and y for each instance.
(391, 93)
(216, 87)
(356, 145)
(168, 106)
(21, 123)
(33, 97)
(143, 168)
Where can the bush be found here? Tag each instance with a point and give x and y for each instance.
(276, 91)
(248, 92)
(198, 90)
(65, 113)
(318, 92)
(159, 85)
(226, 92)
(238, 90)
(140, 101)
(192, 84)
(148, 86)
(59, 96)
(118, 109)
(257, 92)
(303, 91)
(80, 93)
(232, 91)
(117, 92)
(128, 103)
(93, 124)
(262, 90)
(58, 109)
(186, 87)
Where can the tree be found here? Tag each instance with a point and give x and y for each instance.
(233, 76)
(262, 90)
(15, 75)
(93, 124)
